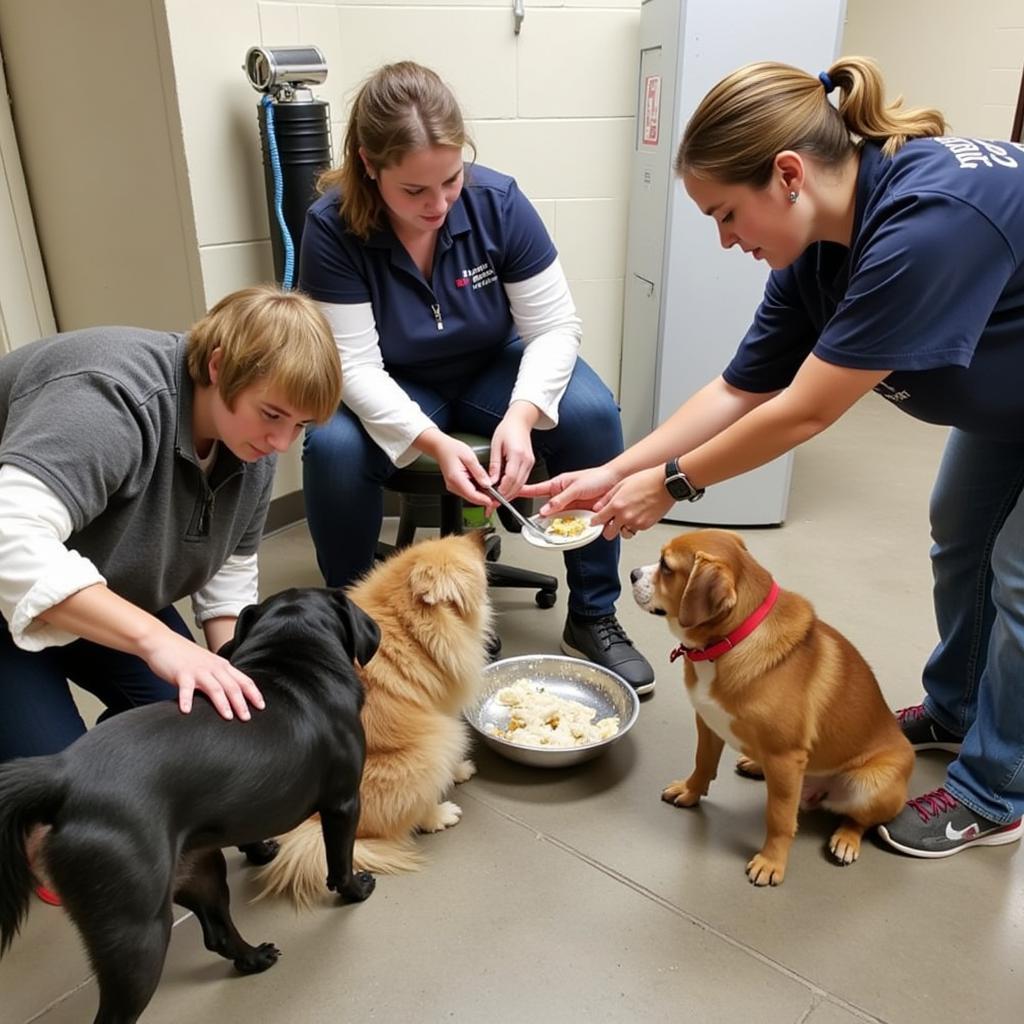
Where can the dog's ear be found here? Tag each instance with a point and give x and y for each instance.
(361, 632)
(710, 592)
(439, 582)
(243, 624)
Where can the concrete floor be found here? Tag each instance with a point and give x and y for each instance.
(577, 895)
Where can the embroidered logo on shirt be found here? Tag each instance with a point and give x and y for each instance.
(479, 277)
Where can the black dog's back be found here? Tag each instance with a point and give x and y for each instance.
(138, 792)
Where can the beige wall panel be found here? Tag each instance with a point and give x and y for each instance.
(473, 50)
(227, 268)
(288, 475)
(586, 3)
(961, 57)
(219, 116)
(99, 157)
(560, 52)
(440, 5)
(279, 23)
(546, 209)
(25, 310)
(564, 159)
(599, 303)
(589, 234)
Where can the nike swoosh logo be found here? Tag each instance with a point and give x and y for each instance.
(964, 833)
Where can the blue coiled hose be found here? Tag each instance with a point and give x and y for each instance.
(275, 164)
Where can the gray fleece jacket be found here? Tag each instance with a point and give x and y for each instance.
(103, 417)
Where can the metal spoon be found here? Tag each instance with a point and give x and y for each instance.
(527, 524)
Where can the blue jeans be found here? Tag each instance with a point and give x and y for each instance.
(343, 470)
(974, 680)
(37, 712)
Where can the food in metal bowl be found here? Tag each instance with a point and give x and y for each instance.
(541, 718)
(570, 679)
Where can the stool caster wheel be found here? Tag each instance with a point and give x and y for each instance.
(545, 598)
(492, 645)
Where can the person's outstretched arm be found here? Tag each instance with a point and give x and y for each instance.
(708, 412)
(50, 594)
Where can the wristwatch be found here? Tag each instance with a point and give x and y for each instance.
(677, 484)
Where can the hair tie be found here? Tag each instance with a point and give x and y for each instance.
(826, 80)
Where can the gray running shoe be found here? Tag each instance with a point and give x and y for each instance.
(938, 825)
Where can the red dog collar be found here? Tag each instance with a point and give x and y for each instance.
(744, 629)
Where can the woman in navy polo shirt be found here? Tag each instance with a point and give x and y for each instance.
(897, 266)
(451, 312)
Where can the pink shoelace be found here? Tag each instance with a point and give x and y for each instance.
(932, 804)
(911, 714)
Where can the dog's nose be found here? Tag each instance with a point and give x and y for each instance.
(635, 574)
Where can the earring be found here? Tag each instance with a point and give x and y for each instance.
(793, 196)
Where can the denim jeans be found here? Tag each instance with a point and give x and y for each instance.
(974, 680)
(37, 712)
(343, 470)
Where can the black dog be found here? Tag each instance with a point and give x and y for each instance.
(137, 810)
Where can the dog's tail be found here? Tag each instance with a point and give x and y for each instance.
(30, 793)
(300, 868)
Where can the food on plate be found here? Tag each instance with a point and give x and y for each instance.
(567, 526)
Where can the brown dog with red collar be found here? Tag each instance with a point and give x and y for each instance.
(786, 690)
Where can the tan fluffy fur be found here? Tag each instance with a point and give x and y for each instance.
(800, 700)
(431, 603)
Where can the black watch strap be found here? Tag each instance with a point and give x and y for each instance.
(678, 485)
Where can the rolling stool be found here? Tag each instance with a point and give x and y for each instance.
(420, 486)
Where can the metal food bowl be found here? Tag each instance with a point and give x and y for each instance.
(569, 678)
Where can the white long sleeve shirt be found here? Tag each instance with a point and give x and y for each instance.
(38, 570)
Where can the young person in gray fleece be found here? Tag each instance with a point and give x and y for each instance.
(135, 469)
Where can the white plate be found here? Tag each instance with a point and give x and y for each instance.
(591, 533)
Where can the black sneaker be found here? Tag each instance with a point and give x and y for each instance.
(938, 825)
(604, 642)
(924, 732)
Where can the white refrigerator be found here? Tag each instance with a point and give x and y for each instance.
(688, 302)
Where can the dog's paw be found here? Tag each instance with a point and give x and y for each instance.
(763, 871)
(262, 852)
(748, 767)
(444, 815)
(464, 771)
(259, 958)
(358, 887)
(681, 794)
(845, 845)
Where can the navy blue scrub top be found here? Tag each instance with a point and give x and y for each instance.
(492, 235)
(932, 287)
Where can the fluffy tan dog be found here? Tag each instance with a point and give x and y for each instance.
(785, 689)
(431, 603)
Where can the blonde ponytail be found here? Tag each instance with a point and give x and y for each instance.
(762, 109)
(865, 113)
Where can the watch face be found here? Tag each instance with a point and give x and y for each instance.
(679, 488)
(677, 485)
